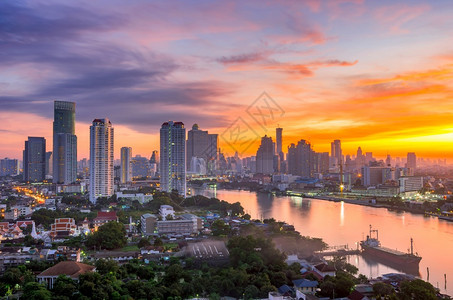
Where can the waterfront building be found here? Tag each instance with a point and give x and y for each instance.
(64, 155)
(410, 183)
(173, 157)
(101, 159)
(302, 160)
(35, 159)
(126, 169)
(265, 156)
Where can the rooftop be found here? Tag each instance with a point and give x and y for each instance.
(69, 268)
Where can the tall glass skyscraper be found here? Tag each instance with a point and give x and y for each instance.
(201, 145)
(173, 157)
(35, 159)
(126, 168)
(64, 143)
(101, 159)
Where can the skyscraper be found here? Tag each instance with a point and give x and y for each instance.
(265, 156)
(140, 167)
(303, 161)
(173, 157)
(35, 159)
(9, 167)
(101, 159)
(201, 144)
(337, 157)
(64, 154)
(278, 137)
(411, 160)
(126, 169)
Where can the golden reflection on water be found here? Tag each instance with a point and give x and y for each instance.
(339, 223)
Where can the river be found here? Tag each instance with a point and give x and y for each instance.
(339, 223)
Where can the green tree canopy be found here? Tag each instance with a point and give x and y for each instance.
(109, 236)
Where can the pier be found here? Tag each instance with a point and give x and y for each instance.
(340, 250)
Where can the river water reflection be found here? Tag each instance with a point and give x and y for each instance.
(339, 223)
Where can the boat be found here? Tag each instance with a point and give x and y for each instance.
(372, 247)
(446, 216)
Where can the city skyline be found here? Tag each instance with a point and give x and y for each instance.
(371, 74)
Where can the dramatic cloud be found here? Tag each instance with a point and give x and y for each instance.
(331, 66)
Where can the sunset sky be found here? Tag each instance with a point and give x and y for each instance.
(375, 74)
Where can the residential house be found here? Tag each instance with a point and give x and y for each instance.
(71, 269)
(324, 270)
(305, 286)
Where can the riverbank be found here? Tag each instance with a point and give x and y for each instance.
(335, 198)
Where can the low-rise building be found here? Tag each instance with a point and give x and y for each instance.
(305, 286)
(140, 197)
(324, 269)
(166, 210)
(148, 224)
(63, 227)
(186, 224)
(71, 269)
(104, 217)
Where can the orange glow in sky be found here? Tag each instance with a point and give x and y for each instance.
(374, 74)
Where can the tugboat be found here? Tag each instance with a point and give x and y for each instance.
(372, 247)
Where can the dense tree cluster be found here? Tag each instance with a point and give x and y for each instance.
(47, 217)
(111, 235)
(214, 204)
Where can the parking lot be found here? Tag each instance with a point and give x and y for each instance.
(208, 249)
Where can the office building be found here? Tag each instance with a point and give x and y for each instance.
(278, 137)
(411, 160)
(101, 159)
(410, 183)
(336, 154)
(201, 144)
(265, 156)
(49, 163)
(35, 159)
(302, 160)
(140, 167)
(173, 157)
(9, 167)
(64, 155)
(126, 168)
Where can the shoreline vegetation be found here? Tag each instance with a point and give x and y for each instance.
(391, 203)
(256, 262)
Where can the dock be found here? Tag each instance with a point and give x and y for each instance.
(338, 251)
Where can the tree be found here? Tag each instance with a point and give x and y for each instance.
(12, 277)
(144, 242)
(29, 241)
(382, 289)
(219, 227)
(105, 266)
(36, 291)
(417, 290)
(158, 242)
(64, 287)
(109, 236)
